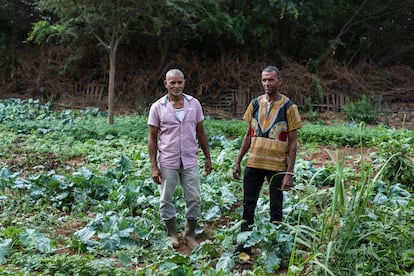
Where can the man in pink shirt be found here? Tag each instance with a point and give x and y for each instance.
(175, 130)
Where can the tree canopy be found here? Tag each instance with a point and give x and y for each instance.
(149, 36)
(297, 30)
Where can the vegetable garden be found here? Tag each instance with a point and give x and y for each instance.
(76, 198)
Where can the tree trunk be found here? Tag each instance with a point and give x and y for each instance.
(163, 46)
(111, 84)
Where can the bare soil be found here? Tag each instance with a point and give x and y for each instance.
(327, 155)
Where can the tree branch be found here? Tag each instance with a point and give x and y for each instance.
(108, 47)
(348, 23)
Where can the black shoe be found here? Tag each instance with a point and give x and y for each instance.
(241, 249)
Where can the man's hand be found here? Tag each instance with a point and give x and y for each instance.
(207, 166)
(287, 182)
(237, 171)
(156, 175)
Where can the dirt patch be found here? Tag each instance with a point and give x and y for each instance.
(393, 117)
(68, 228)
(76, 162)
(30, 162)
(327, 156)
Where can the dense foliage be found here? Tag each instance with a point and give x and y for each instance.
(76, 197)
(354, 30)
(53, 49)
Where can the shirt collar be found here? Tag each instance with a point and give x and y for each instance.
(164, 100)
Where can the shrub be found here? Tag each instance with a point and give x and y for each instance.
(361, 111)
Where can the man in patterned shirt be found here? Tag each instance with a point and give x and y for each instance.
(271, 137)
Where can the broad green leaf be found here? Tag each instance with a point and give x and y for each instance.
(212, 214)
(85, 234)
(272, 262)
(242, 237)
(226, 262)
(5, 248)
(254, 239)
(33, 239)
(177, 259)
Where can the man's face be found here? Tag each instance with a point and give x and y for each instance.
(270, 82)
(175, 85)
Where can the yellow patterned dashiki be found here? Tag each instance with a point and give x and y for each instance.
(270, 123)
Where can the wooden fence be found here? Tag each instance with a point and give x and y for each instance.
(91, 93)
(84, 95)
(229, 105)
(233, 104)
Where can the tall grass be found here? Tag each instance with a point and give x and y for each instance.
(345, 236)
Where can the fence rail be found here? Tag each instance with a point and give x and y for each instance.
(233, 104)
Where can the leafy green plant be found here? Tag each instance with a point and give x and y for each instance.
(5, 249)
(230, 128)
(101, 217)
(318, 90)
(32, 239)
(361, 111)
(400, 168)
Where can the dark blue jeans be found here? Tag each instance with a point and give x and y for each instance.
(252, 184)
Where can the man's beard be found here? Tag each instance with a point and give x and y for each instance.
(177, 93)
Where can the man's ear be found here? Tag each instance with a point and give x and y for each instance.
(280, 81)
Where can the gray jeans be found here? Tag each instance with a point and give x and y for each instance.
(190, 183)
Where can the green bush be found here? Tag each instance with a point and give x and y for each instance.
(399, 168)
(361, 111)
